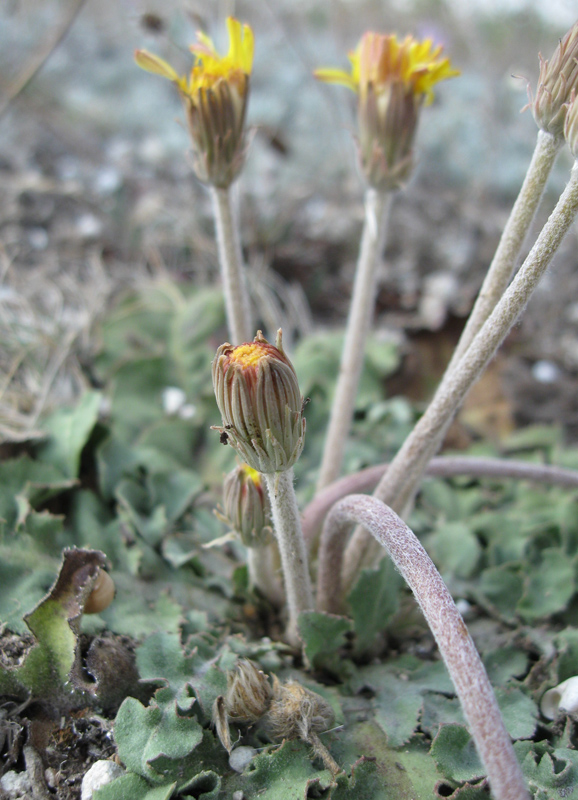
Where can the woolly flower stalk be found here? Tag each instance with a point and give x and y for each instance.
(215, 96)
(393, 80)
(571, 126)
(557, 84)
(258, 396)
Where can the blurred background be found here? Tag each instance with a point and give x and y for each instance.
(96, 191)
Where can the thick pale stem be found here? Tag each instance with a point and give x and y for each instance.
(442, 467)
(453, 639)
(231, 261)
(377, 207)
(287, 524)
(512, 239)
(407, 468)
(262, 575)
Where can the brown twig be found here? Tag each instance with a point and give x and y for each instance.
(40, 58)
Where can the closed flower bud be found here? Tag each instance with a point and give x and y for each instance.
(248, 693)
(246, 506)
(557, 80)
(260, 403)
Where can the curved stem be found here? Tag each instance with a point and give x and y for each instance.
(231, 262)
(408, 466)
(287, 524)
(453, 639)
(440, 467)
(377, 207)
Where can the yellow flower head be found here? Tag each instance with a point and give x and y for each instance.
(215, 95)
(393, 79)
(381, 59)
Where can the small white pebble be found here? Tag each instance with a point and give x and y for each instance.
(88, 226)
(51, 778)
(464, 607)
(241, 757)
(545, 371)
(16, 784)
(238, 795)
(187, 411)
(38, 238)
(107, 181)
(101, 773)
(173, 400)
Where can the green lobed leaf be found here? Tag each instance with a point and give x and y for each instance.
(69, 431)
(549, 772)
(455, 549)
(455, 754)
(146, 734)
(323, 637)
(399, 686)
(373, 601)
(133, 787)
(548, 587)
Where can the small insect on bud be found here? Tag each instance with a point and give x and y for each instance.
(246, 506)
(102, 594)
(557, 81)
(258, 396)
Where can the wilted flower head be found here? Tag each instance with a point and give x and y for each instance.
(246, 506)
(215, 98)
(258, 396)
(393, 79)
(557, 81)
(297, 712)
(248, 692)
(248, 698)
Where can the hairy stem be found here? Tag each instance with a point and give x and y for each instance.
(407, 468)
(231, 262)
(512, 239)
(441, 467)
(377, 208)
(287, 524)
(453, 639)
(261, 566)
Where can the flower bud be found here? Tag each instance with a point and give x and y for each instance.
(258, 396)
(246, 506)
(556, 82)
